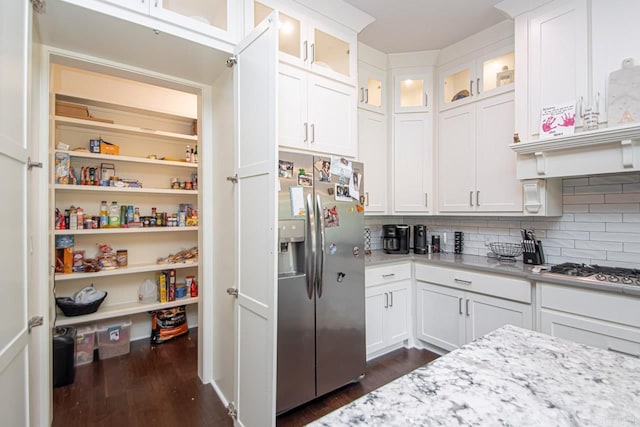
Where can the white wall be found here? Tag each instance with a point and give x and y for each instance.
(600, 224)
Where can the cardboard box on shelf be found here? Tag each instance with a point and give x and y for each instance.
(109, 148)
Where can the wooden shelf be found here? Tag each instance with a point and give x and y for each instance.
(112, 158)
(119, 310)
(124, 129)
(127, 230)
(131, 269)
(104, 189)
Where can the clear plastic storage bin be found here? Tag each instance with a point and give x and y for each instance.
(85, 343)
(114, 339)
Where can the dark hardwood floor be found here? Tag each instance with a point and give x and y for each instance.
(159, 386)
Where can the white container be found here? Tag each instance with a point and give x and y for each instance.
(114, 339)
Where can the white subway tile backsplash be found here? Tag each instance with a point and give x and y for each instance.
(600, 224)
(598, 189)
(598, 217)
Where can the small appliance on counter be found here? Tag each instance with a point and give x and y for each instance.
(395, 238)
(420, 239)
(532, 252)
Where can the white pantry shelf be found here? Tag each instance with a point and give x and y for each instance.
(118, 310)
(130, 130)
(131, 269)
(130, 159)
(105, 189)
(124, 230)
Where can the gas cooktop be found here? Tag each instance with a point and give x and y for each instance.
(616, 275)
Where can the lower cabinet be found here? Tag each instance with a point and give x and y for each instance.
(449, 318)
(388, 308)
(600, 319)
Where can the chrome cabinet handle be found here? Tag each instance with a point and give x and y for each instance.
(313, 133)
(361, 95)
(478, 86)
(426, 99)
(306, 131)
(460, 305)
(470, 198)
(462, 282)
(386, 300)
(367, 198)
(471, 87)
(478, 198)
(306, 55)
(366, 96)
(391, 293)
(313, 53)
(426, 200)
(613, 350)
(388, 275)
(467, 308)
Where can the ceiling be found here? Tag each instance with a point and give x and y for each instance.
(415, 25)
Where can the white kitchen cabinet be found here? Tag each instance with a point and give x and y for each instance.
(310, 43)
(372, 88)
(477, 169)
(476, 77)
(373, 152)
(212, 18)
(449, 318)
(412, 151)
(316, 113)
(602, 319)
(455, 306)
(413, 92)
(388, 307)
(138, 134)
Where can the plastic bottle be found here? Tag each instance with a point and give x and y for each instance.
(136, 215)
(104, 215)
(188, 154)
(114, 215)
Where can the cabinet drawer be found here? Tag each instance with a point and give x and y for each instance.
(386, 274)
(618, 339)
(608, 306)
(490, 284)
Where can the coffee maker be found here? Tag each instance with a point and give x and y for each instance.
(420, 239)
(395, 238)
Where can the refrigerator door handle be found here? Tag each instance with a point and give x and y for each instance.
(310, 246)
(320, 246)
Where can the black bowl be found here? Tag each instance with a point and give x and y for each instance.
(71, 308)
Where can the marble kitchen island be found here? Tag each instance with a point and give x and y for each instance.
(509, 377)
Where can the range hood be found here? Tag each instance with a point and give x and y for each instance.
(609, 150)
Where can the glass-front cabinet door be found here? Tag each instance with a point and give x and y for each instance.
(475, 79)
(412, 92)
(371, 88)
(310, 44)
(210, 17)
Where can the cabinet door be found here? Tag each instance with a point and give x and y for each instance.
(396, 321)
(439, 315)
(483, 314)
(376, 303)
(593, 332)
(497, 188)
(332, 116)
(293, 127)
(331, 52)
(412, 163)
(412, 93)
(610, 45)
(371, 88)
(457, 163)
(457, 84)
(558, 58)
(372, 151)
(209, 17)
(292, 39)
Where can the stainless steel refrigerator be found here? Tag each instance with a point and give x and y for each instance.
(321, 301)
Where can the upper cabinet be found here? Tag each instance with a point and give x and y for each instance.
(412, 92)
(213, 18)
(312, 44)
(372, 90)
(477, 77)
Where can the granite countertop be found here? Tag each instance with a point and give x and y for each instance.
(509, 377)
(492, 265)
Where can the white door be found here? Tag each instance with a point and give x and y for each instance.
(439, 310)
(484, 314)
(255, 77)
(397, 315)
(293, 126)
(376, 302)
(15, 18)
(372, 151)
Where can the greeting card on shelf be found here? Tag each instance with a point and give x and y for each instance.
(557, 120)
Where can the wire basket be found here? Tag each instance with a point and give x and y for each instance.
(506, 250)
